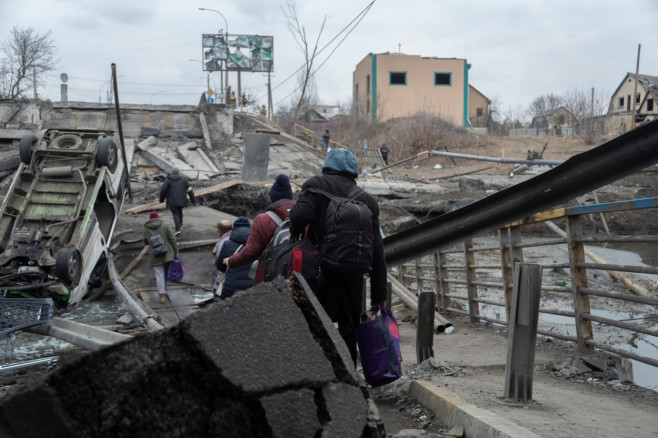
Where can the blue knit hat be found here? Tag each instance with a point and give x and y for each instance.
(281, 188)
(242, 221)
(341, 160)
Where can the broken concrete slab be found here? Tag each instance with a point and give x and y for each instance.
(197, 159)
(234, 368)
(255, 156)
(206, 132)
(401, 189)
(9, 160)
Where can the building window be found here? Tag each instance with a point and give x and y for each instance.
(649, 104)
(398, 78)
(637, 98)
(479, 112)
(621, 102)
(443, 79)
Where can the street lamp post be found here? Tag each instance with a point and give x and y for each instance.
(226, 40)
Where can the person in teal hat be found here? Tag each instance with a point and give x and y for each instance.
(340, 291)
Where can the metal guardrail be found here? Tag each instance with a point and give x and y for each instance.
(20, 313)
(466, 274)
(17, 314)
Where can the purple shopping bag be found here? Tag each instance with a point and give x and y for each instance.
(379, 348)
(176, 270)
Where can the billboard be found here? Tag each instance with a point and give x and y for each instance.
(238, 52)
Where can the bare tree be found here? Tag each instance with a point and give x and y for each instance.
(26, 56)
(544, 103)
(305, 95)
(585, 106)
(299, 34)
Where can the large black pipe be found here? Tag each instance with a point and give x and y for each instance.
(582, 173)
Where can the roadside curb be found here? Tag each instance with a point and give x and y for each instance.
(452, 410)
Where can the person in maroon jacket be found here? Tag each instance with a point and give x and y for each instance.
(263, 227)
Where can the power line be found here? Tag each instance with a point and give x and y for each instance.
(360, 16)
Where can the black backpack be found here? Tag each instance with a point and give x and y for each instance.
(298, 256)
(283, 256)
(347, 244)
(282, 231)
(157, 244)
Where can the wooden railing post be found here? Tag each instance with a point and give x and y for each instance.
(440, 278)
(584, 331)
(510, 254)
(471, 289)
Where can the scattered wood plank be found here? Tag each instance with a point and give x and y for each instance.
(268, 131)
(132, 264)
(200, 192)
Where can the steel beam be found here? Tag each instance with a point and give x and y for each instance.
(582, 173)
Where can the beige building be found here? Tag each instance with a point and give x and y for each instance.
(389, 85)
(620, 111)
(554, 118)
(478, 108)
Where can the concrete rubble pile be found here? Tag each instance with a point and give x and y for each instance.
(214, 374)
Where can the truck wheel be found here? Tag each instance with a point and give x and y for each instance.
(68, 141)
(68, 265)
(107, 154)
(25, 147)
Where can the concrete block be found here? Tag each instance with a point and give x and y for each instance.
(303, 424)
(267, 323)
(347, 409)
(256, 364)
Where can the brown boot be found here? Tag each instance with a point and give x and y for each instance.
(163, 298)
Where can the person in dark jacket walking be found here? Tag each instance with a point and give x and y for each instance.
(325, 140)
(175, 190)
(340, 292)
(235, 279)
(159, 263)
(384, 150)
(264, 226)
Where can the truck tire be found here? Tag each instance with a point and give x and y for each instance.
(25, 147)
(106, 155)
(68, 265)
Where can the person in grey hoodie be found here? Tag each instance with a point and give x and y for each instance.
(175, 190)
(160, 263)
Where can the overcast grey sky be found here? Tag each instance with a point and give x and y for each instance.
(518, 49)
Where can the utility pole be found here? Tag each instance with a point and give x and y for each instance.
(269, 96)
(591, 114)
(637, 73)
(34, 81)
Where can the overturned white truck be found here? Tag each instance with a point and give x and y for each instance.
(57, 219)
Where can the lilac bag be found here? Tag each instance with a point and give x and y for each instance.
(176, 270)
(379, 347)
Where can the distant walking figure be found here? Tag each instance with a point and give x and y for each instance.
(160, 261)
(175, 190)
(384, 151)
(325, 140)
